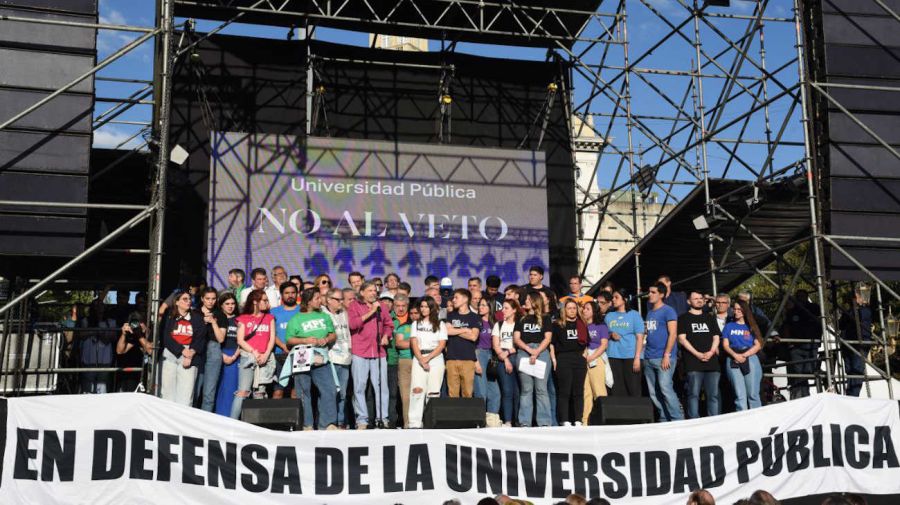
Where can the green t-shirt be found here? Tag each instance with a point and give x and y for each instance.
(403, 331)
(309, 324)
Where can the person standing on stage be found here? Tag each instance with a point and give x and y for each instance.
(314, 328)
(570, 338)
(505, 349)
(598, 341)
(626, 345)
(532, 337)
(283, 314)
(256, 339)
(399, 359)
(698, 335)
(184, 335)
(428, 338)
(660, 354)
(339, 354)
(742, 340)
(463, 327)
(370, 330)
(486, 385)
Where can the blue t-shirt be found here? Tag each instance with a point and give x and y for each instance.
(658, 332)
(738, 336)
(282, 317)
(627, 325)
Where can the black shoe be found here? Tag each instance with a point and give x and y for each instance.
(379, 425)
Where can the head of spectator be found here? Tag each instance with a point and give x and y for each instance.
(477, 296)
(432, 282)
(310, 300)
(485, 309)
(288, 292)
(746, 296)
(334, 300)
(743, 314)
(576, 499)
(297, 281)
(604, 302)
(511, 310)
(258, 278)
(534, 304)
(355, 279)
(512, 292)
(349, 294)
(608, 286)
(590, 313)
(854, 499)
(429, 310)
(279, 275)
(723, 303)
(575, 286)
(392, 282)
(434, 294)
(386, 299)
(656, 295)
(696, 302)
(180, 307)
(227, 304)
(549, 300)
(488, 501)
(323, 283)
(379, 284)
(760, 497)
(619, 301)
(536, 276)
(257, 302)
(405, 288)
(701, 497)
(474, 284)
(401, 305)
(492, 285)
(208, 299)
(308, 284)
(414, 314)
(368, 293)
(236, 278)
(461, 300)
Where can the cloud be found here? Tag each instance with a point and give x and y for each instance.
(112, 17)
(110, 138)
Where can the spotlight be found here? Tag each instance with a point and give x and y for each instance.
(552, 87)
(446, 99)
(700, 223)
(178, 155)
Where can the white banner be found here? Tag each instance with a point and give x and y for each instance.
(134, 448)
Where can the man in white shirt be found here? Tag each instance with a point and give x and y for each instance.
(279, 277)
(258, 280)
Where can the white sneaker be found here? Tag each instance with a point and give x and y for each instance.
(567, 423)
(578, 423)
(507, 425)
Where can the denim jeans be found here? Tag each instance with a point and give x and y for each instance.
(534, 390)
(484, 388)
(805, 354)
(327, 405)
(343, 373)
(364, 370)
(245, 383)
(662, 393)
(212, 367)
(746, 387)
(393, 381)
(854, 365)
(509, 389)
(709, 381)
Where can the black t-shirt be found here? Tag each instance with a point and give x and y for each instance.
(531, 331)
(566, 339)
(457, 346)
(700, 330)
(231, 325)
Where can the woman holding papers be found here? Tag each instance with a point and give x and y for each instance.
(427, 339)
(570, 337)
(506, 352)
(532, 336)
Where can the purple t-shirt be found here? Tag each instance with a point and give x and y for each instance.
(485, 340)
(596, 333)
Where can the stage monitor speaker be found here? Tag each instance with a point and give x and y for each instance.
(621, 410)
(454, 413)
(284, 415)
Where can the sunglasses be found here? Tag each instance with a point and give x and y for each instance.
(325, 283)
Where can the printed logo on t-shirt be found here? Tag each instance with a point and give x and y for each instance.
(313, 325)
(737, 332)
(699, 328)
(651, 325)
(183, 332)
(572, 334)
(618, 323)
(531, 327)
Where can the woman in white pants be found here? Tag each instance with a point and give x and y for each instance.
(428, 337)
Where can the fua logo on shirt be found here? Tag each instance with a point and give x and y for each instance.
(531, 327)
(315, 324)
(699, 328)
(572, 334)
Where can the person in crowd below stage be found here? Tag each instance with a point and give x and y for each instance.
(404, 288)
(801, 321)
(297, 281)
(856, 326)
(259, 280)
(132, 347)
(505, 349)
(626, 345)
(432, 282)
(532, 336)
(462, 332)
(492, 285)
(575, 289)
(323, 284)
(675, 299)
(598, 341)
(228, 379)
(236, 279)
(660, 354)
(256, 339)
(191, 287)
(570, 339)
(486, 385)
(339, 354)
(355, 279)
(216, 326)
(741, 340)
(184, 335)
(428, 337)
(283, 314)
(370, 330)
(279, 277)
(608, 286)
(474, 285)
(698, 335)
(315, 329)
(392, 283)
(701, 497)
(722, 309)
(760, 497)
(399, 359)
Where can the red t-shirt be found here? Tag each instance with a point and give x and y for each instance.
(263, 326)
(183, 333)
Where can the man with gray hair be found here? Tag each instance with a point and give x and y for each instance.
(722, 309)
(339, 354)
(400, 361)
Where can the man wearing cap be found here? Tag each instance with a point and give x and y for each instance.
(446, 291)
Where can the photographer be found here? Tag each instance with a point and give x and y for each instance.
(131, 347)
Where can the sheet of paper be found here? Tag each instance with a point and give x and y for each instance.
(538, 369)
(302, 359)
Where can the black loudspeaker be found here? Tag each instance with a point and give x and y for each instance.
(454, 413)
(621, 410)
(284, 415)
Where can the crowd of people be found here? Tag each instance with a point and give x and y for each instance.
(697, 497)
(369, 354)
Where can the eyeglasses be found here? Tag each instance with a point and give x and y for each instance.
(337, 299)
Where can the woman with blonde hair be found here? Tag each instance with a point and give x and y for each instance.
(532, 336)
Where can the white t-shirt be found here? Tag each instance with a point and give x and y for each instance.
(504, 331)
(428, 338)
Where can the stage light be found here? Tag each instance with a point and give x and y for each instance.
(320, 90)
(446, 99)
(865, 292)
(552, 87)
(700, 223)
(178, 155)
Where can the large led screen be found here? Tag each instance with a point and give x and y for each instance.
(327, 205)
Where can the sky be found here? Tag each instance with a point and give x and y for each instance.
(652, 94)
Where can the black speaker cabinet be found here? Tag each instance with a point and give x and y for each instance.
(621, 410)
(284, 415)
(454, 413)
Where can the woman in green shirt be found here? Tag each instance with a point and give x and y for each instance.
(313, 328)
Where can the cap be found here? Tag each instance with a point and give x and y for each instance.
(446, 282)
(386, 294)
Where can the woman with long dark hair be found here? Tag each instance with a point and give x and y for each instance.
(313, 328)
(742, 340)
(598, 341)
(255, 339)
(228, 380)
(486, 385)
(532, 336)
(626, 344)
(428, 337)
(184, 337)
(505, 350)
(570, 339)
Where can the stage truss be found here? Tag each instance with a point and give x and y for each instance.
(686, 91)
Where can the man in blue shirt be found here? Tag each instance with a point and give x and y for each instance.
(282, 314)
(675, 299)
(659, 354)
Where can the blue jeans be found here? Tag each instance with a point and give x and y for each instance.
(710, 383)
(484, 388)
(343, 373)
(212, 367)
(806, 354)
(854, 365)
(327, 404)
(509, 389)
(662, 393)
(534, 390)
(746, 387)
(364, 370)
